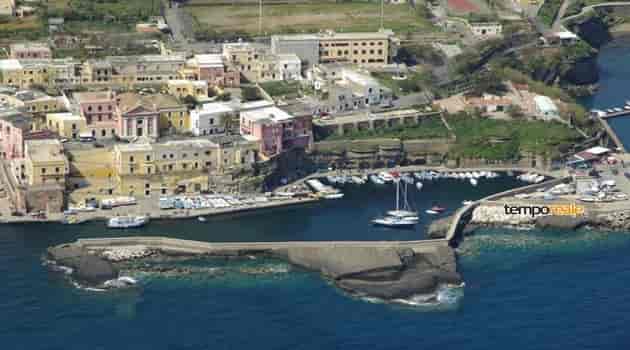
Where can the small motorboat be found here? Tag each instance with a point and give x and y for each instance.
(437, 208)
(431, 212)
(390, 221)
(385, 176)
(201, 219)
(474, 182)
(127, 221)
(376, 180)
(467, 202)
(419, 185)
(338, 195)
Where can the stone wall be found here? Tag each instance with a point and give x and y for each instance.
(49, 199)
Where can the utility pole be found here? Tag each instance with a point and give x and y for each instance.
(260, 16)
(382, 13)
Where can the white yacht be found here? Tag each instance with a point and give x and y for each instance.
(127, 221)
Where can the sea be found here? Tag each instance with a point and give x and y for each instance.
(525, 289)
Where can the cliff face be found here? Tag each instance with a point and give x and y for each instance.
(594, 31)
(582, 72)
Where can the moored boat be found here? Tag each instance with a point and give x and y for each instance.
(391, 221)
(127, 221)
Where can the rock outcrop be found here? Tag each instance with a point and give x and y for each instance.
(439, 228)
(560, 222)
(86, 267)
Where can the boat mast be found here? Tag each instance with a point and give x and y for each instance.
(397, 193)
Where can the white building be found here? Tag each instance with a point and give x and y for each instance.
(484, 30)
(545, 108)
(208, 118)
(289, 67)
(7, 8)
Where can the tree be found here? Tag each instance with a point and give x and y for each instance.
(250, 93)
(515, 112)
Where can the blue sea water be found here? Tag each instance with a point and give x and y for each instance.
(524, 289)
(613, 92)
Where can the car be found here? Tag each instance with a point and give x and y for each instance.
(626, 174)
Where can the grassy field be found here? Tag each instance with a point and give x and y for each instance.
(501, 139)
(281, 88)
(306, 17)
(30, 28)
(415, 82)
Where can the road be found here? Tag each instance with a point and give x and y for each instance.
(557, 24)
(179, 21)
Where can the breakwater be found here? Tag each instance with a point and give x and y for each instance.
(385, 269)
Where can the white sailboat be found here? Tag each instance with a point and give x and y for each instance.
(400, 217)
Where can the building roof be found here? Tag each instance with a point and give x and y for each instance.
(44, 150)
(254, 105)
(64, 116)
(16, 118)
(331, 35)
(267, 114)
(598, 150)
(130, 100)
(29, 45)
(10, 64)
(545, 104)
(215, 107)
(209, 60)
(133, 147)
(93, 97)
(566, 35)
(288, 57)
(190, 143)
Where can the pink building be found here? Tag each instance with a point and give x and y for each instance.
(212, 69)
(99, 111)
(277, 130)
(138, 116)
(30, 50)
(14, 128)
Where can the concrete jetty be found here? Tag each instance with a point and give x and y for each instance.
(611, 133)
(383, 269)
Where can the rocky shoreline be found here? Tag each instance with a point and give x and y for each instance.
(386, 273)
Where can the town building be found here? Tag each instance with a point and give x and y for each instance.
(99, 111)
(209, 118)
(258, 65)
(67, 125)
(178, 166)
(359, 48)
(211, 68)
(483, 30)
(15, 126)
(277, 130)
(7, 8)
(546, 109)
(45, 162)
(97, 71)
(11, 72)
(138, 116)
(347, 89)
(181, 88)
(30, 50)
(32, 101)
(489, 103)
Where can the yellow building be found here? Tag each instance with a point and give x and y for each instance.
(178, 166)
(45, 162)
(182, 88)
(173, 115)
(67, 125)
(359, 48)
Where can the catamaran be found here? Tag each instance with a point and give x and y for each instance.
(400, 217)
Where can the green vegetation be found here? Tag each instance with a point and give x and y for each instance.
(104, 10)
(29, 28)
(501, 139)
(217, 20)
(577, 5)
(548, 11)
(281, 88)
(250, 93)
(431, 127)
(415, 82)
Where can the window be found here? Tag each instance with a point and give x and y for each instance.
(57, 169)
(148, 158)
(100, 108)
(184, 166)
(131, 158)
(147, 185)
(196, 165)
(74, 126)
(171, 155)
(184, 155)
(103, 132)
(89, 108)
(149, 170)
(43, 170)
